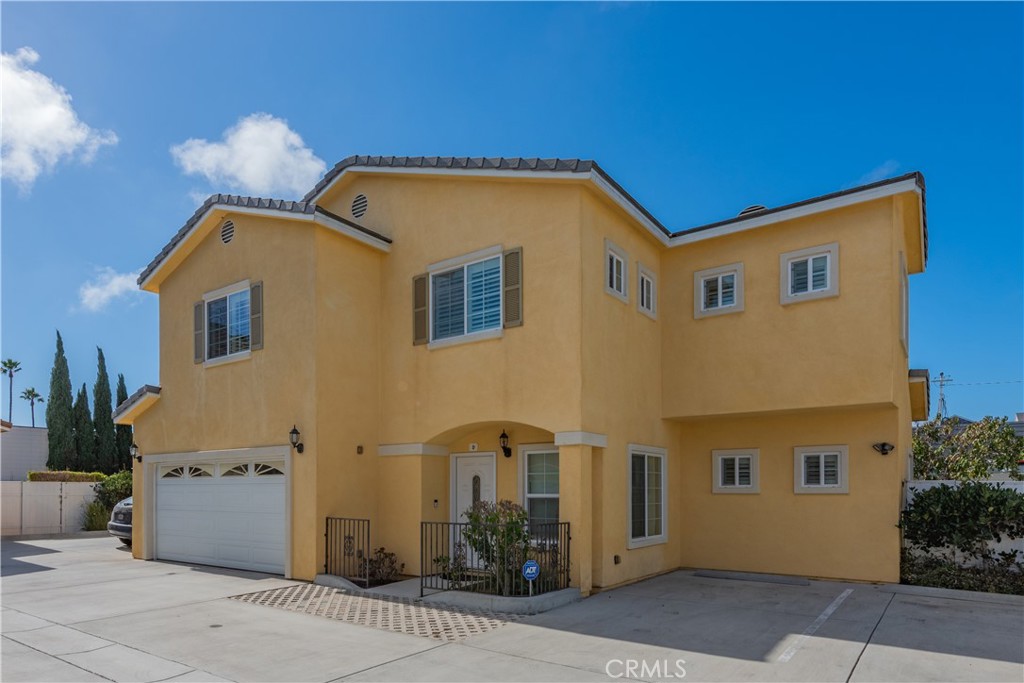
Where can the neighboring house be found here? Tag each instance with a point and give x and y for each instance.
(707, 397)
(22, 449)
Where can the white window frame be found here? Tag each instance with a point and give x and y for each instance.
(717, 486)
(831, 251)
(646, 275)
(904, 305)
(699, 277)
(223, 293)
(525, 450)
(463, 262)
(613, 251)
(800, 452)
(647, 451)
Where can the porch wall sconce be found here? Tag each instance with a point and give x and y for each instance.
(503, 440)
(884, 448)
(133, 450)
(293, 438)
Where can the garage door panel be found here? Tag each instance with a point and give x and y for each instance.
(233, 521)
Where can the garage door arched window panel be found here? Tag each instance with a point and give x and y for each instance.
(263, 469)
(172, 472)
(240, 470)
(200, 471)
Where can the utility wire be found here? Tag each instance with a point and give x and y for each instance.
(975, 384)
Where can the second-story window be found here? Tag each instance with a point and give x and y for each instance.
(809, 273)
(719, 291)
(466, 299)
(227, 324)
(616, 273)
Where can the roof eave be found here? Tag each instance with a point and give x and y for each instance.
(129, 410)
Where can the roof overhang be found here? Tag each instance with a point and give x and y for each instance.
(920, 396)
(136, 404)
(912, 183)
(5, 426)
(212, 211)
(590, 173)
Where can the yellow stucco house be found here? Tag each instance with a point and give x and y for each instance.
(733, 396)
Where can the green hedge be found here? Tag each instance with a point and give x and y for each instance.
(114, 488)
(66, 475)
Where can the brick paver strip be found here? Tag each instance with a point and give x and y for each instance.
(399, 615)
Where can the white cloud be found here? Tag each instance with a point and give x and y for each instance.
(260, 155)
(108, 285)
(885, 170)
(40, 127)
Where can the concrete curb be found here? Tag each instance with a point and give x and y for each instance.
(953, 594)
(506, 605)
(332, 581)
(44, 537)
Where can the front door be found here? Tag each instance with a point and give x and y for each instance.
(474, 482)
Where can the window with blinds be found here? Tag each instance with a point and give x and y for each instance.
(809, 273)
(467, 299)
(735, 471)
(228, 322)
(616, 271)
(821, 469)
(646, 496)
(718, 291)
(646, 297)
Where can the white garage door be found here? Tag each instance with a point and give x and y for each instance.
(226, 514)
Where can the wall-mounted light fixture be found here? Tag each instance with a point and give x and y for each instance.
(133, 450)
(885, 448)
(503, 440)
(293, 438)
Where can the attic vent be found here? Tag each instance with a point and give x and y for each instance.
(753, 208)
(227, 232)
(359, 205)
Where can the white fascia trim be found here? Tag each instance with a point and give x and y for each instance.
(317, 218)
(909, 185)
(411, 449)
(628, 206)
(581, 439)
(357, 235)
(917, 380)
(599, 182)
(119, 418)
(479, 172)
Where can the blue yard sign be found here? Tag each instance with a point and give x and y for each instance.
(531, 570)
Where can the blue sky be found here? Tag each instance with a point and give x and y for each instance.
(697, 109)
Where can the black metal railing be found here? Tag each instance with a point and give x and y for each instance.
(348, 549)
(489, 558)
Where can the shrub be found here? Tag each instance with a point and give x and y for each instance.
(498, 534)
(966, 519)
(114, 489)
(96, 516)
(942, 573)
(66, 475)
(384, 567)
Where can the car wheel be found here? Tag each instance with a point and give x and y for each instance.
(127, 542)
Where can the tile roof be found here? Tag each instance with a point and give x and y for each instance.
(134, 398)
(465, 163)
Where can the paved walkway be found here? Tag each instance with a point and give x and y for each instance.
(80, 609)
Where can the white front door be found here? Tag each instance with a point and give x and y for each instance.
(473, 481)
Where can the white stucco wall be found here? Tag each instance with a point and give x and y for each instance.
(22, 449)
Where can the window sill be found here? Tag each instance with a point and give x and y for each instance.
(621, 296)
(635, 543)
(496, 333)
(788, 299)
(827, 490)
(224, 360)
(734, 490)
(700, 313)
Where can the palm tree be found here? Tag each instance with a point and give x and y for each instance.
(10, 366)
(33, 397)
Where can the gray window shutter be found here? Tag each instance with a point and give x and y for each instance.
(256, 316)
(513, 287)
(198, 334)
(420, 310)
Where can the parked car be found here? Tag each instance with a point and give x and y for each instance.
(120, 523)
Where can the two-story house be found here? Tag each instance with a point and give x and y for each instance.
(731, 396)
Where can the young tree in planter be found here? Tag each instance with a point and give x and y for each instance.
(102, 418)
(10, 366)
(85, 435)
(33, 397)
(123, 433)
(59, 417)
(946, 449)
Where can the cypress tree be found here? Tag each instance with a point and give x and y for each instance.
(123, 433)
(85, 435)
(102, 418)
(59, 413)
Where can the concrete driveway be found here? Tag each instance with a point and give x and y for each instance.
(80, 609)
